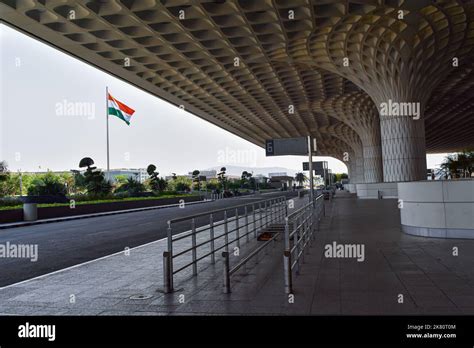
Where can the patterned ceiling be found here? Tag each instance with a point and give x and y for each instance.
(275, 68)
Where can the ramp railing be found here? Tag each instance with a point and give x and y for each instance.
(216, 230)
(300, 227)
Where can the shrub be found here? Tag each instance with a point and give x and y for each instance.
(181, 183)
(132, 186)
(121, 195)
(10, 202)
(47, 184)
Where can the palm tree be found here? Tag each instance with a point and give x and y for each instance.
(300, 178)
(458, 165)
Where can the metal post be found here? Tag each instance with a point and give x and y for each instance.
(237, 227)
(254, 221)
(211, 231)
(167, 276)
(288, 272)
(272, 210)
(310, 167)
(284, 207)
(169, 270)
(287, 234)
(261, 214)
(225, 260)
(246, 224)
(266, 214)
(297, 246)
(194, 251)
(226, 232)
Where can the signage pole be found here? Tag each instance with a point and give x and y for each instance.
(310, 167)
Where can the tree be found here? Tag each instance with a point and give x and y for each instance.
(156, 183)
(96, 184)
(87, 162)
(339, 176)
(247, 180)
(4, 179)
(121, 179)
(212, 184)
(196, 178)
(458, 165)
(300, 178)
(244, 178)
(222, 178)
(79, 181)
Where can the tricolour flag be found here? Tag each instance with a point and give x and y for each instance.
(119, 109)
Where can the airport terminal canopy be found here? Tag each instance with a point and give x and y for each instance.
(378, 83)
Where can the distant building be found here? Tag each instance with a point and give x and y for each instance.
(209, 174)
(270, 175)
(140, 174)
(260, 178)
(281, 182)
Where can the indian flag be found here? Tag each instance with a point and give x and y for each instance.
(119, 109)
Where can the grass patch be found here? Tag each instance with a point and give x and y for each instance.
(99, 201)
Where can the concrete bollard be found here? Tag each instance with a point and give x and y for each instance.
(30, 212)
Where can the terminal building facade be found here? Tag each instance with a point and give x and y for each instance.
(378, 83)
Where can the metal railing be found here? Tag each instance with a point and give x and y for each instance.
(299, 233)
(228, 272)
(216, 196)
(218, 230)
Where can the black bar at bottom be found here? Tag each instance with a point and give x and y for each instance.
(291, 330)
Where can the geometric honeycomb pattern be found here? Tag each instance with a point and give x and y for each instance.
(273, 68)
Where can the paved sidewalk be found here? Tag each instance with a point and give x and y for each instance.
(424, 271)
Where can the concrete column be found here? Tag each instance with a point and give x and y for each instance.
(359, 167)
(403, 148)
(372, 156)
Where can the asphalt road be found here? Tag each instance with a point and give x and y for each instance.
(68, 243)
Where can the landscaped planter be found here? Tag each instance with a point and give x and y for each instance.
(53, 212)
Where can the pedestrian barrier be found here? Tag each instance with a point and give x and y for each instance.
(232, 225)
(300, 227)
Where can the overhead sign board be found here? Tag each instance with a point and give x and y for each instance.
(319, 167)
(286, 146)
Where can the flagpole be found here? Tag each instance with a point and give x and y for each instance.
(107, 120)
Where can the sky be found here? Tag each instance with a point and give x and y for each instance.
(52, 114)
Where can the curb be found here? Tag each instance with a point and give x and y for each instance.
(86, 216)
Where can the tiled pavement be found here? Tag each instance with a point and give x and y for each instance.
(424, 271)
